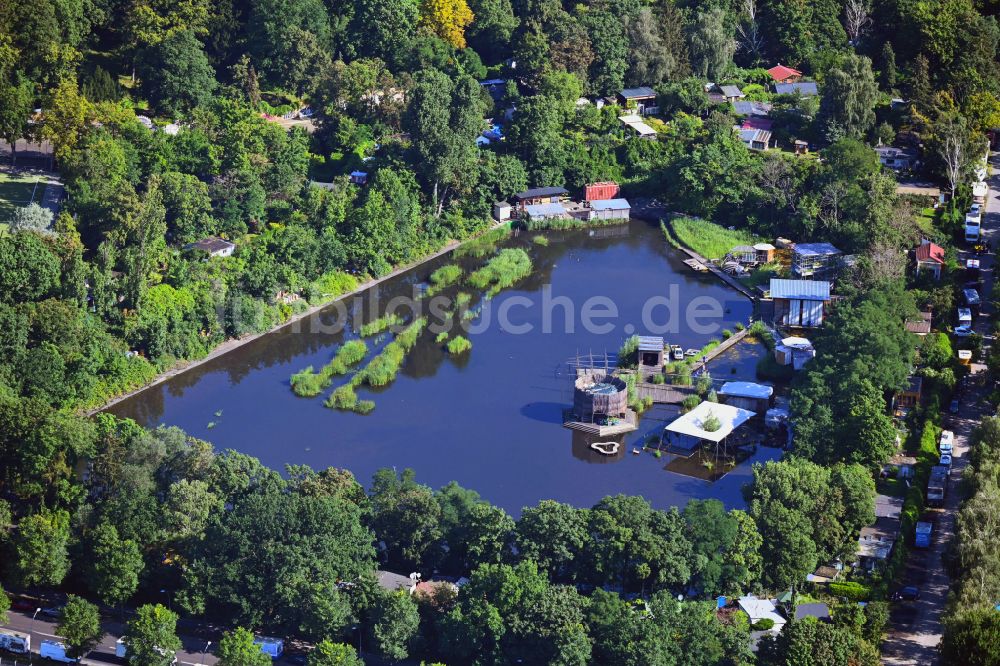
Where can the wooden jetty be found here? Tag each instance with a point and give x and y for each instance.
(629, 424)
(696, 265)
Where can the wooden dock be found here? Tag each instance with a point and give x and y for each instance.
(663, 394)
(630, 424)
(709, 266)
(696, 265)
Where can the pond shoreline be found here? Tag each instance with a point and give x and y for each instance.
(480, 414)
(230, 344)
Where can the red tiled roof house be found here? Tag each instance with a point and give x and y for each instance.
(930, 258)
(782, 74)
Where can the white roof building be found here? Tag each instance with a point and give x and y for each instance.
(747, 390)
(692, 424)
(635, 122)
(546, 211)
(762, 609)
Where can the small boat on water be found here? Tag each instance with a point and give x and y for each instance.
(636, 451)
(676, 353)
(690, 352)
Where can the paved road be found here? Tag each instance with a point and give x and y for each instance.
(915, 628)
(42, 629)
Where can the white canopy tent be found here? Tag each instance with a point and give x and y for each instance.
(692, 424)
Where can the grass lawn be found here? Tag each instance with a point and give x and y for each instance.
(763, 274)
(708, 239)
(16, 192)
(892, 487)
(925, 220)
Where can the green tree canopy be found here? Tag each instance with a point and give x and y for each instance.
(151, 638)
(80, 626)
(176, 75)
(236, 648)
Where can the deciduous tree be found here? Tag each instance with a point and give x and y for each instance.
(40, 548)
(80, 626)
(151, 636)
(236, 648)
(115, 565)
(175, 73)
(327, 653)
(447, 19)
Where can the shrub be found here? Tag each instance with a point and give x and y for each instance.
(690, 402)
(382, 369)
(330, 285)
(760, 331)
(381, 324)
(540, 240)
(764, 624)
(628, 354)
(850, 590)
(343, 397)
(502, 271)
(443, 277)
(307, 384)
(459, 345)
(726, 334)
(739, 326)
(482, 246)
(711, 423)
(703, 384)
(441, 337)
(462, 298)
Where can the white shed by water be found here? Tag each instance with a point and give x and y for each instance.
(794, 351)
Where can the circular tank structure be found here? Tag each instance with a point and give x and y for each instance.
(599, 394)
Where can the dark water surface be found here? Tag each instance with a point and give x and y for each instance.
(490, 420)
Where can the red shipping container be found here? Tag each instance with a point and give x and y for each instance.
(601, 191)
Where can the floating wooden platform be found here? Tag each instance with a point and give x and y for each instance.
(630, 424)
(696, 265)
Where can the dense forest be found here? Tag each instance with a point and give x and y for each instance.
(167, 123)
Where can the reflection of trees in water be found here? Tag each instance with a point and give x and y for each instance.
(146, 408)
(425, 358)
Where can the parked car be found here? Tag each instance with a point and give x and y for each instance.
(23, 604)
(954, 406)
(52, 612)
(963, 331)
(908, 593)
(945, 460)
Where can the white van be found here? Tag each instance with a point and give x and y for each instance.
(55, 652)
(947, 441)
(122, 651)
(979, 191)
